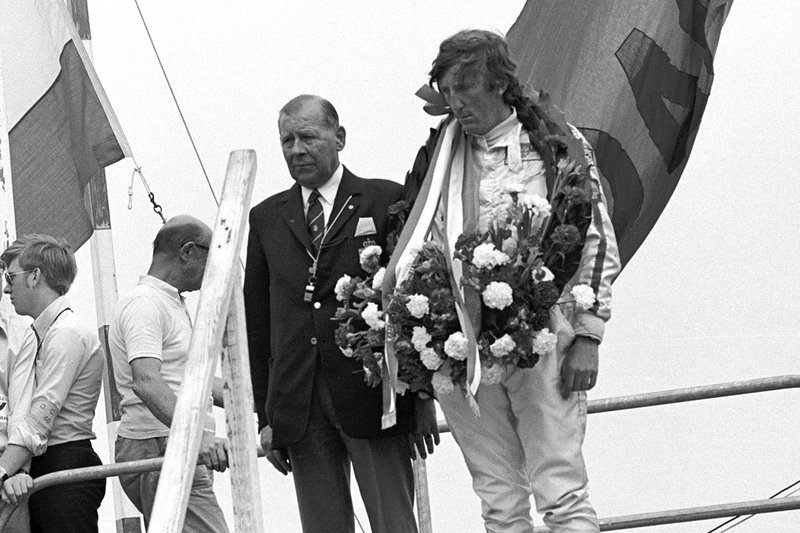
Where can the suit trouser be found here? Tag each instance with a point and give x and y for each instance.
(69, 508)
(203, 513)
(321, 471)
(526, 441)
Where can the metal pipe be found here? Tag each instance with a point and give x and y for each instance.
(84, 474)
(704, 392)
(691, 514)
(689, 394)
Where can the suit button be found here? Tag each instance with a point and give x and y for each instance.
(313, 341)
(317, 305)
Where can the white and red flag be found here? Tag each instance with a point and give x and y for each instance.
(61, 128)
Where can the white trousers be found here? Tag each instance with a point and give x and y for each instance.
(526, 441)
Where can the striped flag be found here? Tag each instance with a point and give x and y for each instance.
(61, 128)
(635, 78)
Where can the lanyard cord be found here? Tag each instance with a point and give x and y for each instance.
(325, 234)
(39, 341)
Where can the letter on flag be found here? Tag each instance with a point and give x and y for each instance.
(61, 128)
(634, 77)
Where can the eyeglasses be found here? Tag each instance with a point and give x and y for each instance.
(9, 276)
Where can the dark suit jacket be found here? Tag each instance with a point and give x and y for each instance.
(286, 335)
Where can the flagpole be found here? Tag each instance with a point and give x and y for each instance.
(8, 231)
(105, 290)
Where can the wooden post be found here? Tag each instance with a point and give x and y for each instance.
(172, 496)
(238, 394)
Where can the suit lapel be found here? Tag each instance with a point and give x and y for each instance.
(344, 206)
(294, 216)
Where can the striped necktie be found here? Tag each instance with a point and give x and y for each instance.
(315, 219)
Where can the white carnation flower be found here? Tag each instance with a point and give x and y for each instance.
(418, 305)
(369, 252)
(500, 258)
(498, 295)
(456, 346)
(441, 384)
(487, 256)
(370, 257)
(430, 359)
(342, 288)
(420, 338)
(372, 316)
(542, 274)
(544, 342)
(584, 296)
(491, 375)
(483, 255)
(503, 346)
(377, 281)
(539, 205)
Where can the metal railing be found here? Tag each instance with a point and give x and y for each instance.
(674, 516)
(636, 401)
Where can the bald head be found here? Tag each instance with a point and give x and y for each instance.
(179, 230)
(180, 251)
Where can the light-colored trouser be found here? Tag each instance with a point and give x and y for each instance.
(526, 441)
(19, 521)
(203, 513)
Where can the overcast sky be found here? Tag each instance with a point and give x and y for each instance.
(710, 296)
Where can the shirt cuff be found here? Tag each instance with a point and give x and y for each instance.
(26, 436)
(589, 325)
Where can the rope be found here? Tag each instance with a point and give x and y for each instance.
(748, 517)
(156, 207)
(358, 522)
(177, 105)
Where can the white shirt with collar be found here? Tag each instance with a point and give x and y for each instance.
(69, 373)
(327, 194)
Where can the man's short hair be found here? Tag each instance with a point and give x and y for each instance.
(476, 51)
(328, 111)
(51, 255)
(170, 238)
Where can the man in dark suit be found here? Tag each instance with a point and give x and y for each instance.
(316, 414)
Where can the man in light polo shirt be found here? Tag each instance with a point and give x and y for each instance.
(149, 341)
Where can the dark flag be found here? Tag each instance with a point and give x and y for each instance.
(634, 77)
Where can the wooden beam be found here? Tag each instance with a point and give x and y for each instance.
(239, 413)
(172, 496)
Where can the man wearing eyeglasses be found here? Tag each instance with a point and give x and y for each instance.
(149, 340)
(68, 369)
